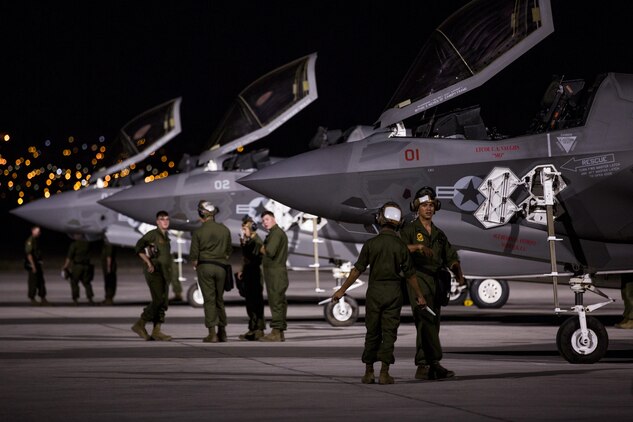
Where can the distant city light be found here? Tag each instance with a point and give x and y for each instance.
(47, 143)
(6, 137)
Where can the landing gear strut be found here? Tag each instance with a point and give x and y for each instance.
(345, 311)
(583, 339)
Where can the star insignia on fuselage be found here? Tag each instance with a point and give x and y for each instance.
(469, 193)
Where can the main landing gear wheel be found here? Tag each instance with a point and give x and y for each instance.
(489, 293)
(571, 346)
(194, 296)
(342, 313)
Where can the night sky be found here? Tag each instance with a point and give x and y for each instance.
(83, 69)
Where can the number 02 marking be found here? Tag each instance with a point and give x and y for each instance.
(221, 184)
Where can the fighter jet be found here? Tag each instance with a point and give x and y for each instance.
(536, 206)
(78, 212)
(259, 109)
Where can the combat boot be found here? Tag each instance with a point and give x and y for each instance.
(274, 335)
(34, 302)
(369, 377)
(422, 373)
(222, 334)
(384, 377)
(212, 337)
(626, 324)
(249, 335)
(158, 335)
(44, 302)
(438, 372)
(139, 328)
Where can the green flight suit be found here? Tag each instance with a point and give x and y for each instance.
(211, 247)
(428, 347)
(389, 260)
(82, 270)
(176, 285)
(627, 295)
(158, 281)
(252, 278)
(276, 276)
(36, 281)
(109, 277)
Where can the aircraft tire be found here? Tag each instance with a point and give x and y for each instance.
(194, 297)
(570, 347)
(489, 293)
(341, 315)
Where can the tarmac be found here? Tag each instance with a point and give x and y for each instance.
(78, 363)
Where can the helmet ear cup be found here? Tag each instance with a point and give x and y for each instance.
(414, 205)
(252, 226)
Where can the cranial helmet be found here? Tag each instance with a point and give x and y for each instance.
(207, 209)
(425, 194)
(390, 213)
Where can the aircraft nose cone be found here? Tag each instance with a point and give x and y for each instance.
(142, 202)
(313, 182)
(71, 211)
(43, 212)
(139, 202)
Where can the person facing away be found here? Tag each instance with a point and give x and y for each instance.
(274, 256)
(251, 277)
(389, 261)
(154, 249)
(33, 265)
(80, 267)
(430, 250)
(209, 254)
(108, 266)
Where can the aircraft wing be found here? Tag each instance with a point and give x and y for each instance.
(143, 135)
(265, 105)
(466, 50)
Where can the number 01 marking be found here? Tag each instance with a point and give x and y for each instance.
(221, 184)
(412, 154)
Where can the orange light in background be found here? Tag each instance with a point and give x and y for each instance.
(6, 137)
(20, 201)
(240, 148)
(47, 194)
(78, 175)
(102, 149)
(163, 158)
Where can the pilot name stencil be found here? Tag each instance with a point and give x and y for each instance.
(497, 151)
